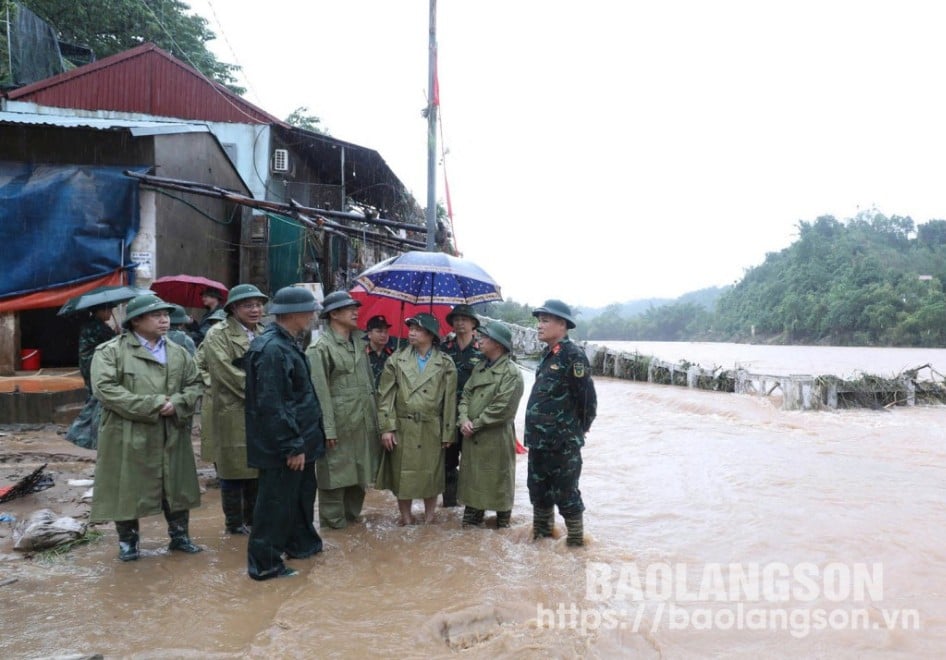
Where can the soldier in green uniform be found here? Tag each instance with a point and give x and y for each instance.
(486, 418)
(177, 334)
(560, 411)
(223, 348)
(85, 427)
(284, 438)
(94, 331)
(211, 299)
(148, 387)
(417, 417)
(462, 348)
(345, 387)
(379, 345)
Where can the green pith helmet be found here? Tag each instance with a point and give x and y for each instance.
(498, 332)
(337, 300)
(178, 316)
(556, 308)
(217, 315)
(292, 300)
(464, 310)
(144, 305)
(242, 292)
(428, 322)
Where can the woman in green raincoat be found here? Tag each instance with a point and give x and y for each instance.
(486, 418)
(148, 387)
(417, 403)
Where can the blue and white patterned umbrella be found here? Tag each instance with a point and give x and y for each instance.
(430, 278)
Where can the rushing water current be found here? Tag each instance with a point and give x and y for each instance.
(829, 524)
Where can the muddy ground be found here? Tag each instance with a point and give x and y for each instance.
(23, 448)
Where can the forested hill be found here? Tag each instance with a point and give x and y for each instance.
(869, 280)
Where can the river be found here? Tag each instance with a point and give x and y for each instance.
(690, 491)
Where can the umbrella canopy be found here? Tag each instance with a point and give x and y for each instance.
(395, 311)
(430, 277)
(185, 290)
(102, 295)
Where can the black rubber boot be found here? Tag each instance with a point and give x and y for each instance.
(450, 490)
(250, 488)
(473, 517)
(232, 502)
(127, 539)
(177, 530)
(542, 522)
(576, 530)
(503, 519)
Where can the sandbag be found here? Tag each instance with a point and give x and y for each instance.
(44, 529)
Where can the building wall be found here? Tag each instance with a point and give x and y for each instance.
(194, 234)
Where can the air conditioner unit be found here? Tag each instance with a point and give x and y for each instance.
(280, 160)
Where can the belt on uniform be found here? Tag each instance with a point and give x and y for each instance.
(417, 417)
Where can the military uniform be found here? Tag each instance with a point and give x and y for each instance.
(84, 429)
(283, 419)
(376, 360)
(465, 360)
(490, 401)
(183, 340)
(560, 411)
(346, 390)
(93, 332)
(420, 406)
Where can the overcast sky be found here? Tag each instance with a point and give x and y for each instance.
(603, 151)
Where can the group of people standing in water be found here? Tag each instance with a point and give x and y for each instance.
(286, 425)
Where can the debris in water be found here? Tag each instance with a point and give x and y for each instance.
(32, 483)
(44, 529)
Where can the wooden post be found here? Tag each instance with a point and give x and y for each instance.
(9, 343)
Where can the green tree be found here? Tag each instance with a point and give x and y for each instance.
(111, 26)
(300, 118)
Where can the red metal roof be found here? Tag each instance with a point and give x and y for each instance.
(146, 80)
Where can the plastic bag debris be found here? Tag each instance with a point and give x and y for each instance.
(44, 529)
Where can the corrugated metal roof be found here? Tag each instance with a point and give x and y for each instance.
(136, 127)
(144, 80)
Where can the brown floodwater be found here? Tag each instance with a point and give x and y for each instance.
(672, 477)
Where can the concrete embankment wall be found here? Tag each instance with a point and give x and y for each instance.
(793, 392)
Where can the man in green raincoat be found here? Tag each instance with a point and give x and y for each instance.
(223, 349)
(345, 386)
(208, 451)
(148, 387)
(417, 411)
(486, 418)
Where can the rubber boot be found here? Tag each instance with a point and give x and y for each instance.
(503, 519)
(231, 500)
(473, 517)
(542, 522)
(450, 490)
(127, 539)
(250, 488)
(576, 530)
(177, 530)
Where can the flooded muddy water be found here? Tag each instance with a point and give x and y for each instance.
(695, 483)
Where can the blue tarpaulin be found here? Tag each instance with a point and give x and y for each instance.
(62, 224)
